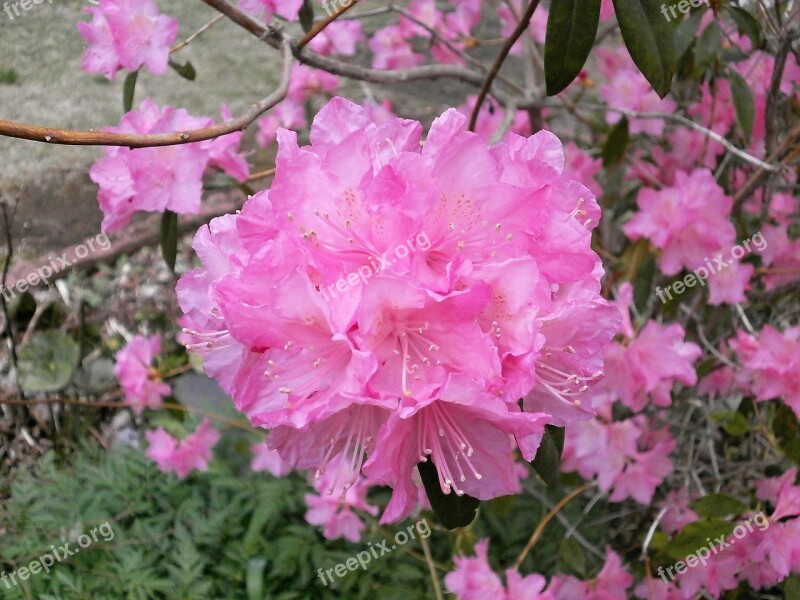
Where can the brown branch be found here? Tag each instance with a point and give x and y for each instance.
(319, 27)
(537, 533)
(487, 84)
(357, 72)
(106, 138)
(785, 150)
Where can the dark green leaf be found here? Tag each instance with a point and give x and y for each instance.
(571, 29)
(747, 25)
(743, 102)
(572, 558)
(307, 15)
(169, 238)
(734, 423)
(548, 457)
(128, 91)
(453, 510)
(185, 70)
(47, 362)
(696, 536)
(686, 33)
(718, 506)
(616, 143)
(787, 430)
(707, 48)
(649, 38)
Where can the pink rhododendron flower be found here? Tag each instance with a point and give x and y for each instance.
(509, 19)
(305, 83)
(493, 296)
(729, 285)
(340, 37)
(161, 178)
(127, 34)
(473, 579)
(626, 456)
(646, 366)
(582, 167)
(627, 89)
(264, 9)
(781, 255)
(610, 584)
(678, 514)
(391, 50)
(335, 504)
(773, 365)
(182, 456)
(491, 117)
(268, 460)
(137, 377)
(688, 222)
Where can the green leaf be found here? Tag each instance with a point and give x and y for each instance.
(255, 578)
(696, 536)
(169, 238)
(571, 557)
(307, 16)
(453, 510)
(747, 25)
(185, 70)
(548, 457)
(616, 144)
(733, 422)
(128, 90)
(743, 102)
(707, 48)
(787, 430)
(571, 30)
(649, 38)
(718, 506)
(47, 362)
(686, 32)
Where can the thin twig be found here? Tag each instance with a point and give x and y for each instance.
(165, 405)
(106, 138)
(7, 220)
(697, 127)
(487, 84)
(437, 588)
(196, 34)
(319, 27)
(537, 533)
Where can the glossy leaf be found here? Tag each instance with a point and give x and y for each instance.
(649, 38)
(743, 102)
(453, 511)
(571, 30)
(169, 238)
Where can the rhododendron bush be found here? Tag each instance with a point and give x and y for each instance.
(560, 293)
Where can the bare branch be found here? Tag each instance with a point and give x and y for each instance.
(487, 84)
(106, 138)
(320, 27)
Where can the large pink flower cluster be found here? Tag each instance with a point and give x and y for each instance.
(161, 178)
(474, 579)
(127, 34)
(395, 299)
